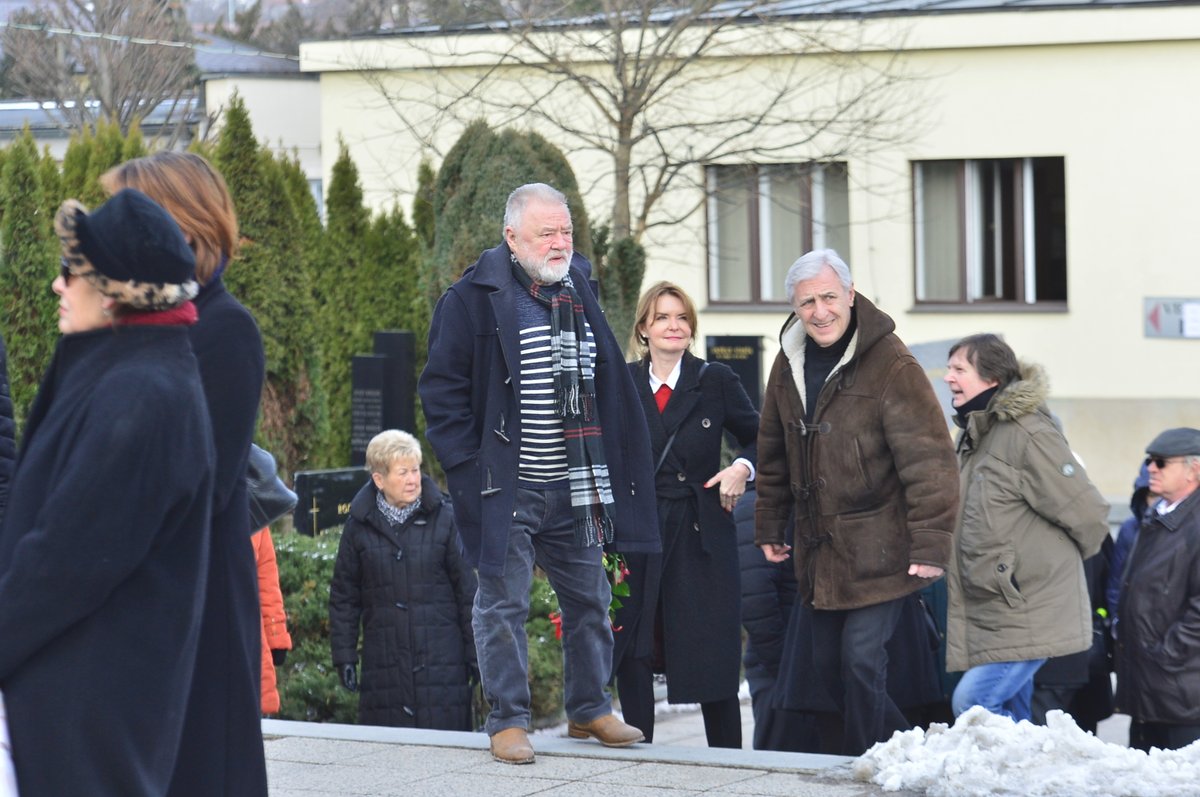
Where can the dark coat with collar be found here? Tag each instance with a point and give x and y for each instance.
(8, 431)
(1158, 627)
(872, 480)
(469, 393)
(695, 578)
(222, 750)
(411, 592)
(103, 556)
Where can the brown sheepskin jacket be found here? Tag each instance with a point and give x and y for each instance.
(872, 480)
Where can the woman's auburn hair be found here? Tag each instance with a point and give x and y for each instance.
(646, 306)
(194, 193)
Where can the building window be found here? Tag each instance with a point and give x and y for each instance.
(761, 218)
(991, 230)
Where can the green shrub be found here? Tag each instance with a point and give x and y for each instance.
(545, 655)
(309, 689)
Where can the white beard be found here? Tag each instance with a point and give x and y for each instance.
(543, 272)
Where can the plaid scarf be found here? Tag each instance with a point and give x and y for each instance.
(573, 368)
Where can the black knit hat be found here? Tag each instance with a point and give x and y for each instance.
(130, 249)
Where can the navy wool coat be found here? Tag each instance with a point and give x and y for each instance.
(694, 581)
(8, 432)
(411, 592)
(103, 553)
(469, 392)
(222, 751)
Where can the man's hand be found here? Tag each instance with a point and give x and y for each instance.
(349, 679)
(733, 484)
(776, 553)
(925, 571)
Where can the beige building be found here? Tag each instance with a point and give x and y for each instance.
(1034, 174)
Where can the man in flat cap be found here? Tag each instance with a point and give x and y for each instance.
(1158, 633)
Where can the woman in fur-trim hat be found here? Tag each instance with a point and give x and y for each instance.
(103, 547)
(222, 749)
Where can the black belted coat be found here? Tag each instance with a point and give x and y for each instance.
(695, 580)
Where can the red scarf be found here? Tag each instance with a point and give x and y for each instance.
(183, 315)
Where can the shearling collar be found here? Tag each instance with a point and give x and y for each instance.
(873, 325)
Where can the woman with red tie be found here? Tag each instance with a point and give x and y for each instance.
(682, 616)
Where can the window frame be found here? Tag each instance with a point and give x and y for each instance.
(811, 175)
(971, 264)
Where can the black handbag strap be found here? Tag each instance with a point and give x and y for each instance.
(667, 448)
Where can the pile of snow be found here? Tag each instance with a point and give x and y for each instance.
(984, 754)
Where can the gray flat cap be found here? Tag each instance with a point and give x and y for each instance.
(1180, 442)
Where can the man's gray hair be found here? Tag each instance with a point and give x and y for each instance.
(812, 264)
(519, 199)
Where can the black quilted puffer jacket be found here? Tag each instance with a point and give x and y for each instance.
(410, 591)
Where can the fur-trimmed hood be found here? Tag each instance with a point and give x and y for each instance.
(1018, 398)
(1025, 395)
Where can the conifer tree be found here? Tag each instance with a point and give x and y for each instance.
(134, 144)
(479, 172)
(304, 327)
(50, 180)
(620, 271)
(76, 165)
(423, 220)
(28, 262)
(345, 290)
(108, 150)
(261, 278)
(397, 249)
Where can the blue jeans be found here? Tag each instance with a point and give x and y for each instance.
(1004, 688)
(543, 532)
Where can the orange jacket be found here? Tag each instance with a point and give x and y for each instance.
(275, 635)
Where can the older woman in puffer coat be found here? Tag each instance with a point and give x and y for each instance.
(399, 574)
(1029, 517)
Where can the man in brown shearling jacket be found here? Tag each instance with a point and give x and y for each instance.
(853, 441)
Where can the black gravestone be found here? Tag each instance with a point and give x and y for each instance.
(381, 391)
(324, 497)
(743, 354)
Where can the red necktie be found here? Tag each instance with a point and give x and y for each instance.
(662, 396)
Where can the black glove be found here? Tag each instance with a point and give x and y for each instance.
(349, 679)
(278, 656)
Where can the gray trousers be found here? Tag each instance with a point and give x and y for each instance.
(543, 533)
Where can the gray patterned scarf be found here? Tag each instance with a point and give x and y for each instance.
(573, 367)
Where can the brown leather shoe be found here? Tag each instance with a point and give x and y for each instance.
(609, 730)
(511, 746)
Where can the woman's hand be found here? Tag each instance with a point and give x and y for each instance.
(733, 484)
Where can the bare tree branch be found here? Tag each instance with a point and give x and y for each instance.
(101, 59)
(653, 88)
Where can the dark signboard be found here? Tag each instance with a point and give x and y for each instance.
(743, 354)
(381, 391)
(325, 497)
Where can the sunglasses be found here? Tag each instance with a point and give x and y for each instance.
(64, 271)
(1159, 462)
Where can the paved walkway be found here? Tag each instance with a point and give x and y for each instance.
(315, 760)
(320, 760)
